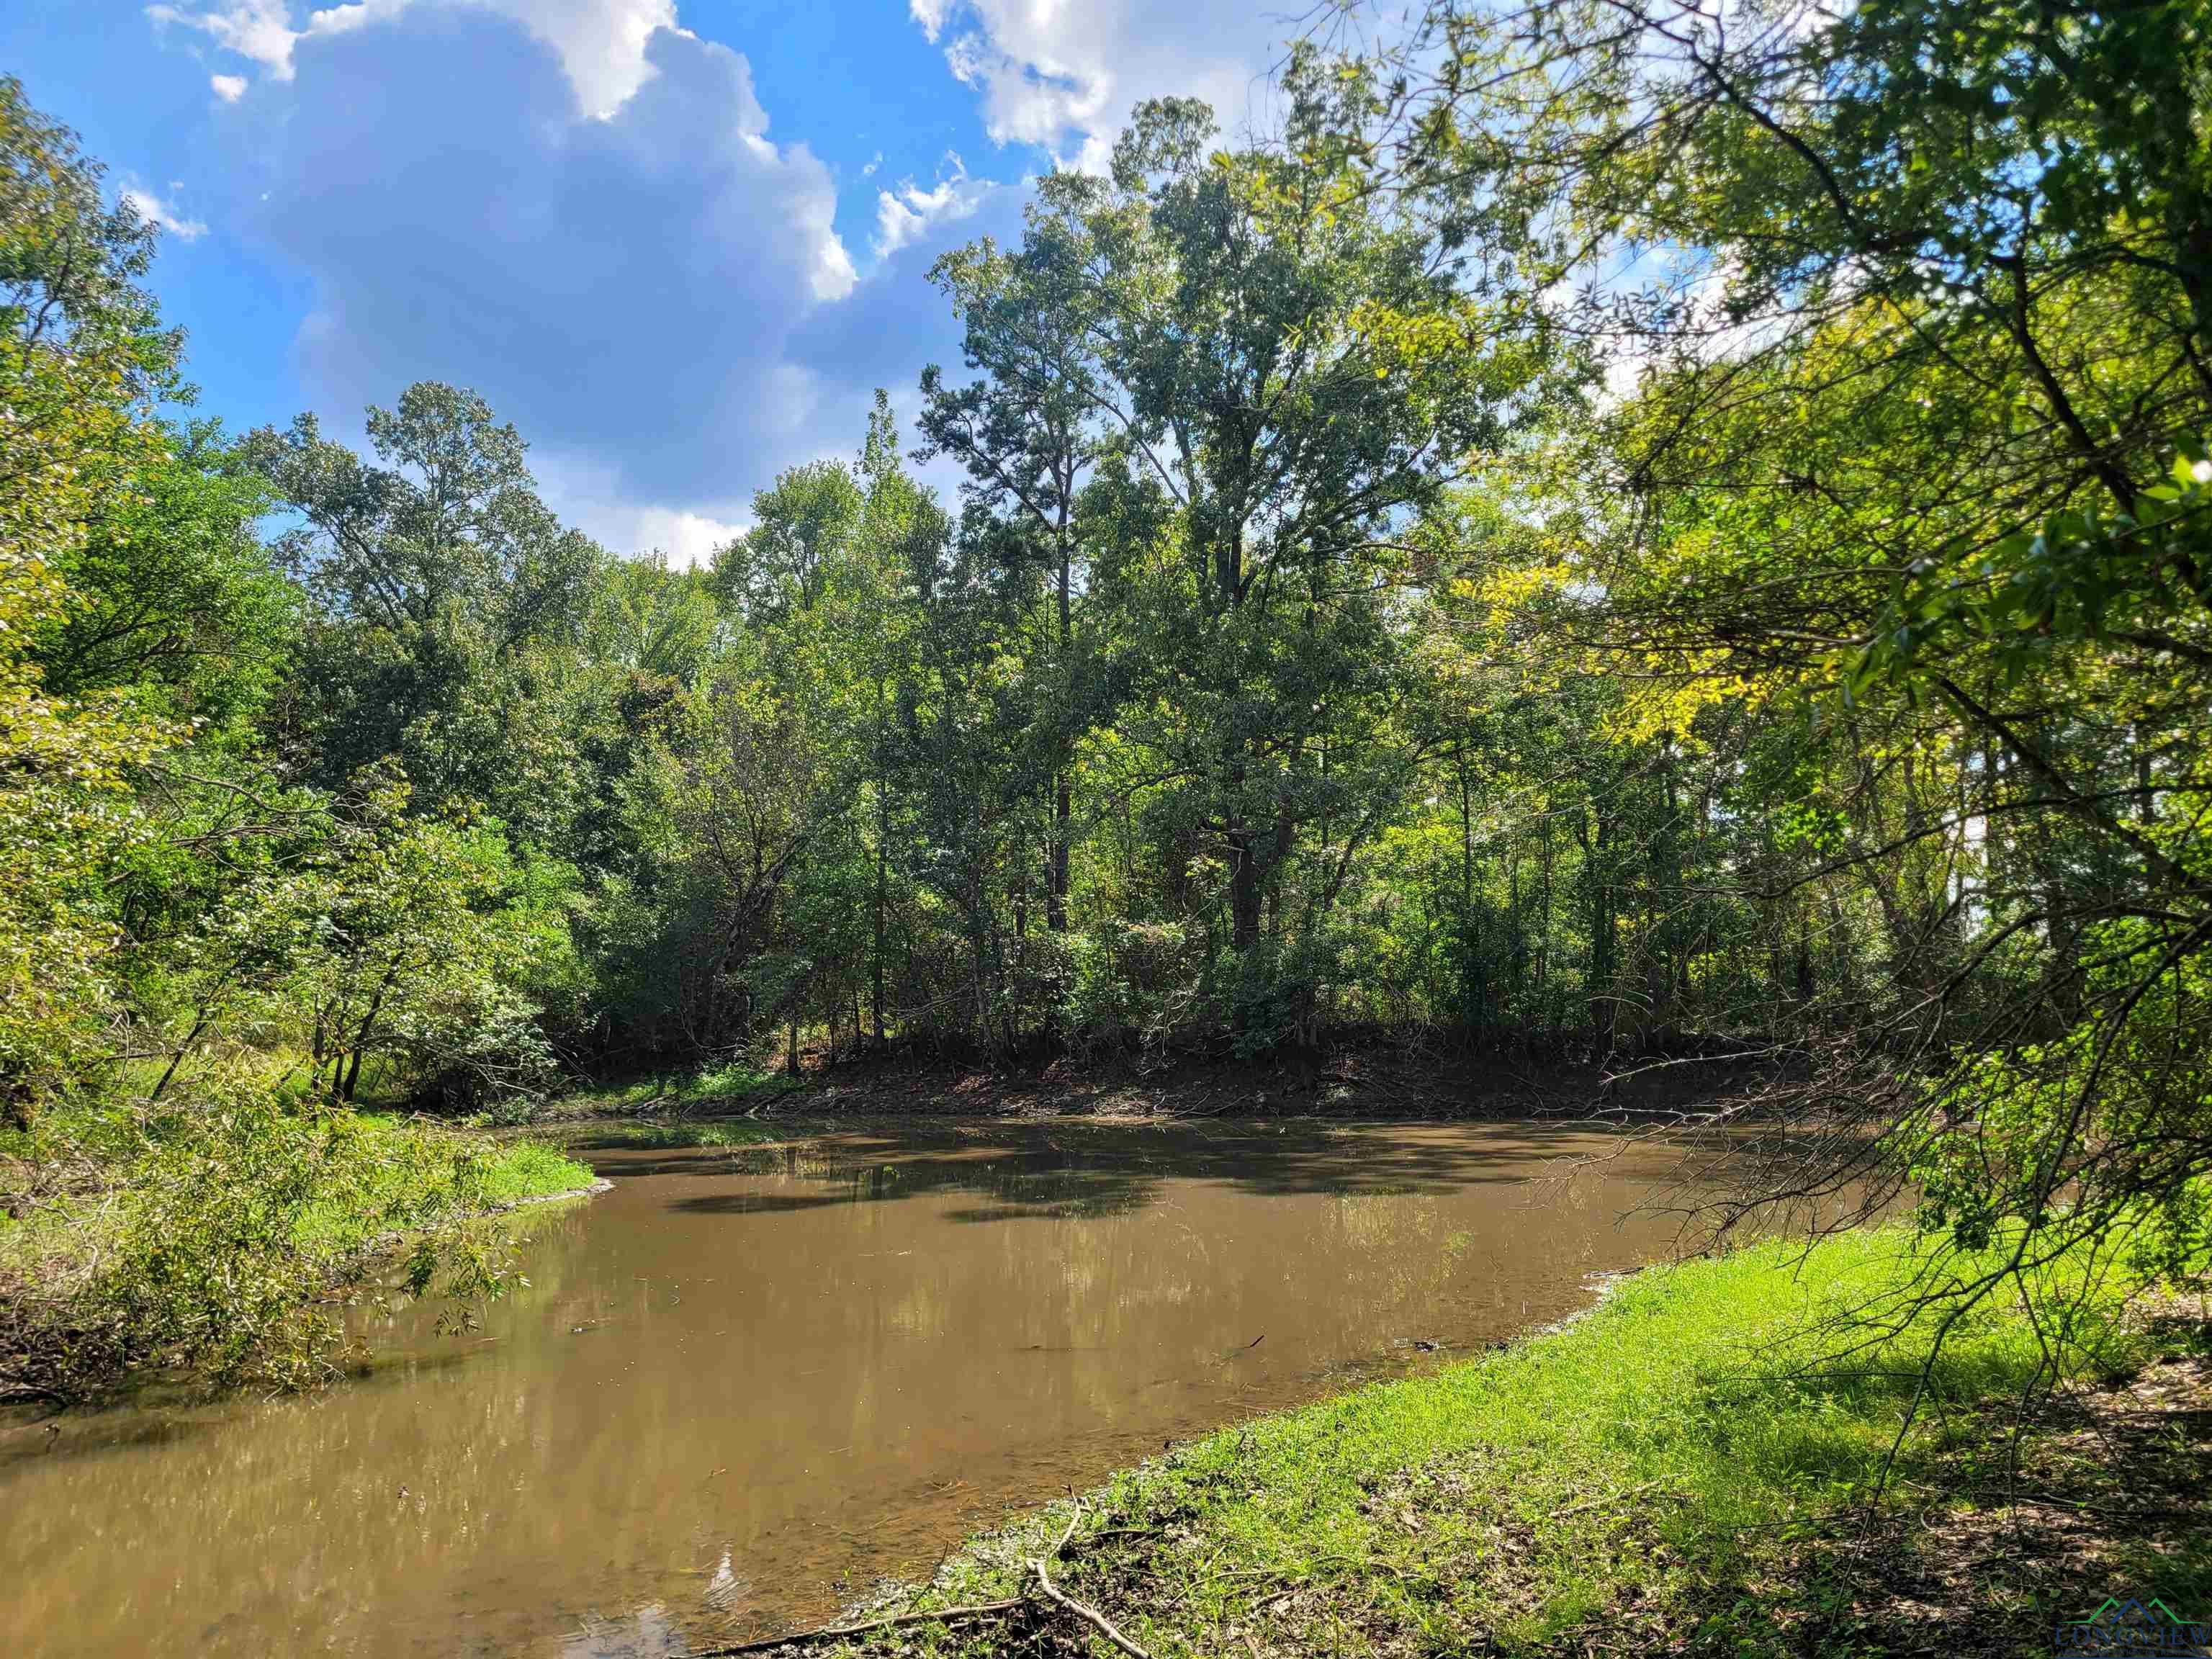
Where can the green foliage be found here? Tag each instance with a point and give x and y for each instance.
(1129, 980)
(80, 359)
(656, 623)
(172, 911)
(172, 592)
(391, 934)
(802, 528)
(242, 1219)
(2084, 576)
(1882, 544)
(443, 601)
(2094, 1130)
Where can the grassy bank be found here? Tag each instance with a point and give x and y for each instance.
(716, 1088)
(219, 1240)
(1694, 1466)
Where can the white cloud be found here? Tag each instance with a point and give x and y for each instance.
(156, 210)
(643, 290)
(589, 494)
(829, 273)
(659, 298)
(931, 15)
(688, 538)
(906, 214)
(259, 29)
(1063, 75)
(601, 44)
(228, 88)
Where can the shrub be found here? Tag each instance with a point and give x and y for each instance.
(230, 1228)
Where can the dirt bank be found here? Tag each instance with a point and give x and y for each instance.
(1372, 1081)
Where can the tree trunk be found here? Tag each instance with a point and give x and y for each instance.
(1470, 999)
(1063, 797)
(368, 1025)
(875, 952)
(1243, 890)
(1055, 894)
(1600, 992)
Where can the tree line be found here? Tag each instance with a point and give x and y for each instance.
(1617, 530)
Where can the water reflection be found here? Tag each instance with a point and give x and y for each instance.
(748, 1378)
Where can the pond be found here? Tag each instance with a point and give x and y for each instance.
(747, 1383)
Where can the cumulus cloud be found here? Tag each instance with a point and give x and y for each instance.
(1064, 77)
(585, 491)
(688, 538)
(601, 42)
(614, 249)
(905, 216)
(257, 29)
(157, 211)
(627, 287)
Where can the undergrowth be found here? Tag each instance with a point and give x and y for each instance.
(217, 1237)
(709, 1087)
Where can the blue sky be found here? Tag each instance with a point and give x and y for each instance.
(677, 242)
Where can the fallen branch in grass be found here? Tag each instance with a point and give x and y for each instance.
(831, 1632)
(1090, 1616)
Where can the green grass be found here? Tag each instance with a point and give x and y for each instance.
(724, 1084)
(405, 1174)
(531, 1170)
(381, 1086)
(380, 1172)
(1655, 1474)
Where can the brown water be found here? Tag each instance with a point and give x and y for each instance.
(743, 1381)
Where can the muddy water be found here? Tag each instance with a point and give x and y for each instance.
(743, 1382)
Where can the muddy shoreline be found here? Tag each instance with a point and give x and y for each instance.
(1371, 1083)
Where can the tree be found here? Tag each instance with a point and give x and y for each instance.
(83, 357)
(1913, 298)
(173, 588)
(381, 934)
(1255, 330)
(444, 600)
(1029, 431)
(653, 621)
(801, 526)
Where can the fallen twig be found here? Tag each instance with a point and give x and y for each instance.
(1097, 1621)
(831, 1633)
(1091, 1616)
